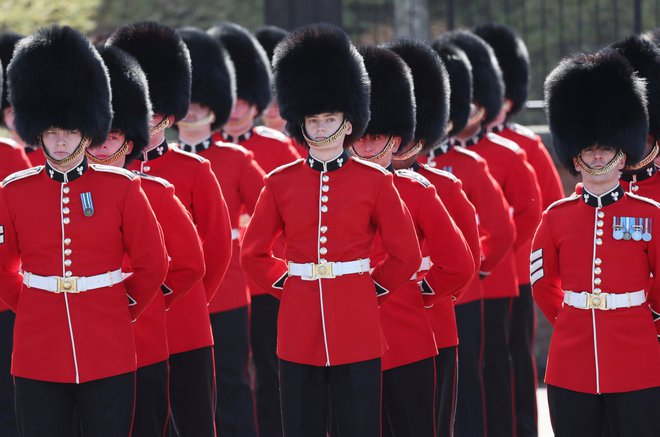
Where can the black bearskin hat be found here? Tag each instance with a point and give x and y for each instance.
(644, 57)
(487, 79)
(57, 79)
(596, 99)
(317, 69)
(8, 41)
(268, 37)
(431, 89)
(392, 95)
(460, 80)
(130, 98)
(165, 60)
(512, 55)
(213, 77)
(253, 74)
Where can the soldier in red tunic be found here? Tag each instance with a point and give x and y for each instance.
(241, 180)
(431, 80)
(73, 339)
(513, 58)
(165, 60)
(129, 135)
(496, 232)
(408, 365)
(593, 253)
(328, 208)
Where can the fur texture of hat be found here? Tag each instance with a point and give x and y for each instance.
(596, 99)
(431, 89)
(487, 81)
(57, 79)
(513, 57)
(460, 80)
(253, 73)
(644, 57)
(130, 98)
(8, 41)
(268, 37)
(317, 69)
(165, 60)
(213, 75)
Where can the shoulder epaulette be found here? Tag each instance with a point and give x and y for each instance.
(232, 146)
(469, 153)
(188, 154)
(285, 166)
(9, 143)
(413, 176)
(643, 199)
(149, 177)
(370, 164)
(439, 172)
(110, 169)
(271, 133)
(522, 130)
(504, 142)
(562, 201)
(22, 174)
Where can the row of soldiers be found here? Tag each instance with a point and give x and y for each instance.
(407, 227)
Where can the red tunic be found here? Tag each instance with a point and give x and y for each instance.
(517, 179)
(441, 314)
(495, 224)
(598, 351)
(271, 149)
(186, 267)
(241, 180)
(63, 337)
(405, 324)
(329, 212)
(188, 324)
(550, 186)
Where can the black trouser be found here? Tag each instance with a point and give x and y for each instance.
(521, 346)
(353, 390)
(234, 411)
(408, 400)
(497, 368)
(152, 400)
(7, 411)
(445, 390)
(104, 407)
(630, 414)
(470, 404)
(192, 393)
(263, 337)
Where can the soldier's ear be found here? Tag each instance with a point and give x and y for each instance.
(349, 128)
(577, 167)
(170, 118)
(130, 147)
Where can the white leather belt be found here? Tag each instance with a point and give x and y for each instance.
(424, 266)
(604, 301)
(235, 233)
(311, 271)
(73, 284)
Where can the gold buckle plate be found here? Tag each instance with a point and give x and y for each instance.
(322, 271)
(597, 301)
(67, 285)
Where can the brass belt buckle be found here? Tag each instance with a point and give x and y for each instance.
(322, 271)
(597, 301)
(67, 285)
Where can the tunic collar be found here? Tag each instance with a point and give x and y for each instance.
(331, 165)
(69, 176)
(614, 195)
(196, 148)
(154, 153)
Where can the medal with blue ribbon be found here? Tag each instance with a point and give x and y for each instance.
(87, 204)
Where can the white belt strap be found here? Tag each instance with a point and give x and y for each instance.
(424, 266)
(311, 271)
(604, 301)
(235, 233)
(74, 284)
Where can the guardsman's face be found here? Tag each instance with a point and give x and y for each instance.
(242, 110)
(112, 144)
(597, 157)
(196, 112)
(320, 126)
(8, 117)
(61, 143)
(371, 145)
